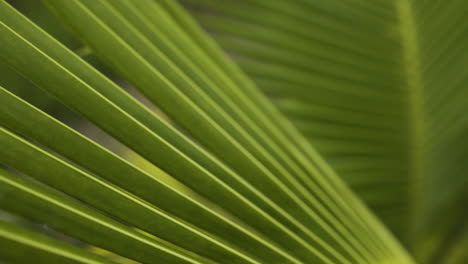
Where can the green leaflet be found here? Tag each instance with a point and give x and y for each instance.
(19, 244)
(223, 144)
(20, 116)
(45, 205)
(182, 170)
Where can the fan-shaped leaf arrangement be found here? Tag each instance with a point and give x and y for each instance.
(238, 182)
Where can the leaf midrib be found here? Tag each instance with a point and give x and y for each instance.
(416, 120)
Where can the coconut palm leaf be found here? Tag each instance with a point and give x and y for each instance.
(228, 178)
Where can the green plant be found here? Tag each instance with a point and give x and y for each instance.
(237, 181)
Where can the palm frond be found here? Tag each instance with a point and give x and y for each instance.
(220, 172)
